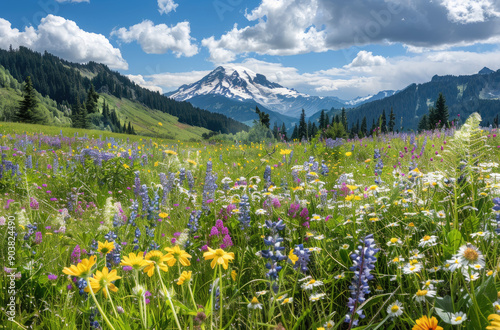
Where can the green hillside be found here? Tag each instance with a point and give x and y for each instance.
(145, 120)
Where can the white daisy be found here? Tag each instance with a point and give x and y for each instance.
(254, 304)
(311, 284)
(421, 294)
(316, 296)
(458, 318)
(428, 241)
(412, 269)
(469, 255)
(395, 309)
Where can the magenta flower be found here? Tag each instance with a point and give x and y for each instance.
(52, 277)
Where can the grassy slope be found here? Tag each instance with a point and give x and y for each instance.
(145, 120)
(21, 128)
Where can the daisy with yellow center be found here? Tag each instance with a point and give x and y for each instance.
(83, 269)
(421, 294)
(105, 247)
(136, 261)
(218, 256)
(425, 323)
(155, 258)
(176, 254)
(395, 309)
(254, 304)
(102, 280)
(311, 284)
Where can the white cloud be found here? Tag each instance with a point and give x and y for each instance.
(364, 59)
(469, 11)
(350, 81)
(283, 28)
(289, 27)
(65, 39)
(158, 39)
(139, 80)
(166, 6)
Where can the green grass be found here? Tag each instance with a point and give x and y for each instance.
(145, 120)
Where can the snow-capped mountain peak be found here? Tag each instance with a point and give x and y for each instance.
(242, 84)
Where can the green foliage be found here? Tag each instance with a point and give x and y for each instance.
(336, 130)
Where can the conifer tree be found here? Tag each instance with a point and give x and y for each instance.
(383, 122)
(27, 111)
(392, 121)
(295, 133)
(322, 119)
(423, 124)
(283, 131)
(363, 126)
(91, 101)
(343, 119)
(442, 114)
(302, 131)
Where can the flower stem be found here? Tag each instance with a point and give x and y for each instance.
(99, 306)
(165, 291)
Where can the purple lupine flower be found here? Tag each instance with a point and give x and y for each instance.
(52, 277)
(363, 260)
(214, 231)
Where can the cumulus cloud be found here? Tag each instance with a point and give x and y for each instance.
(139, 80)
(365, 58)
(469, 11)
(349, 81)
(289, 27)
(166, 6)
(65, 39)
(158, 39)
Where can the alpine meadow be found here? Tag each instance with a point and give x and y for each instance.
(260, 164)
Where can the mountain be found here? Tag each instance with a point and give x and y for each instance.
(67, 83)
(485, 70)
(464, 95)
(362, 100)
(236, 83)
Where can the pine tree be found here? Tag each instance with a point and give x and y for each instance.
(363, 126)
(91, 101)
(26, 113)
(322, 119)
(372, 130)
(392, 121)
(302, 131)
(295, 133)
(283, 131)
(327, 121)
(343, 119)
(383, 122)
(314, 130)
(309, 130)
(275, 130)
(84, 118)
(423, 124)
(263, 117)
(442, 114)
(75, 115)
(432, 119)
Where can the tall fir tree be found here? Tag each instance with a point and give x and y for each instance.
(442, 114)
(302, 131)
(309, 129)
(295, 133)
(383, 122)
(327, 121)
(363, 126)
(27, 111)
(423, 124)
(343, 119)
(91, 101)
(283, 132)
(392, 121)
(322, 119)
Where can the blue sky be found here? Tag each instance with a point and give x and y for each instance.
(343, 48)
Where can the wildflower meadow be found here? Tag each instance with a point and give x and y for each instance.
(392, 231)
